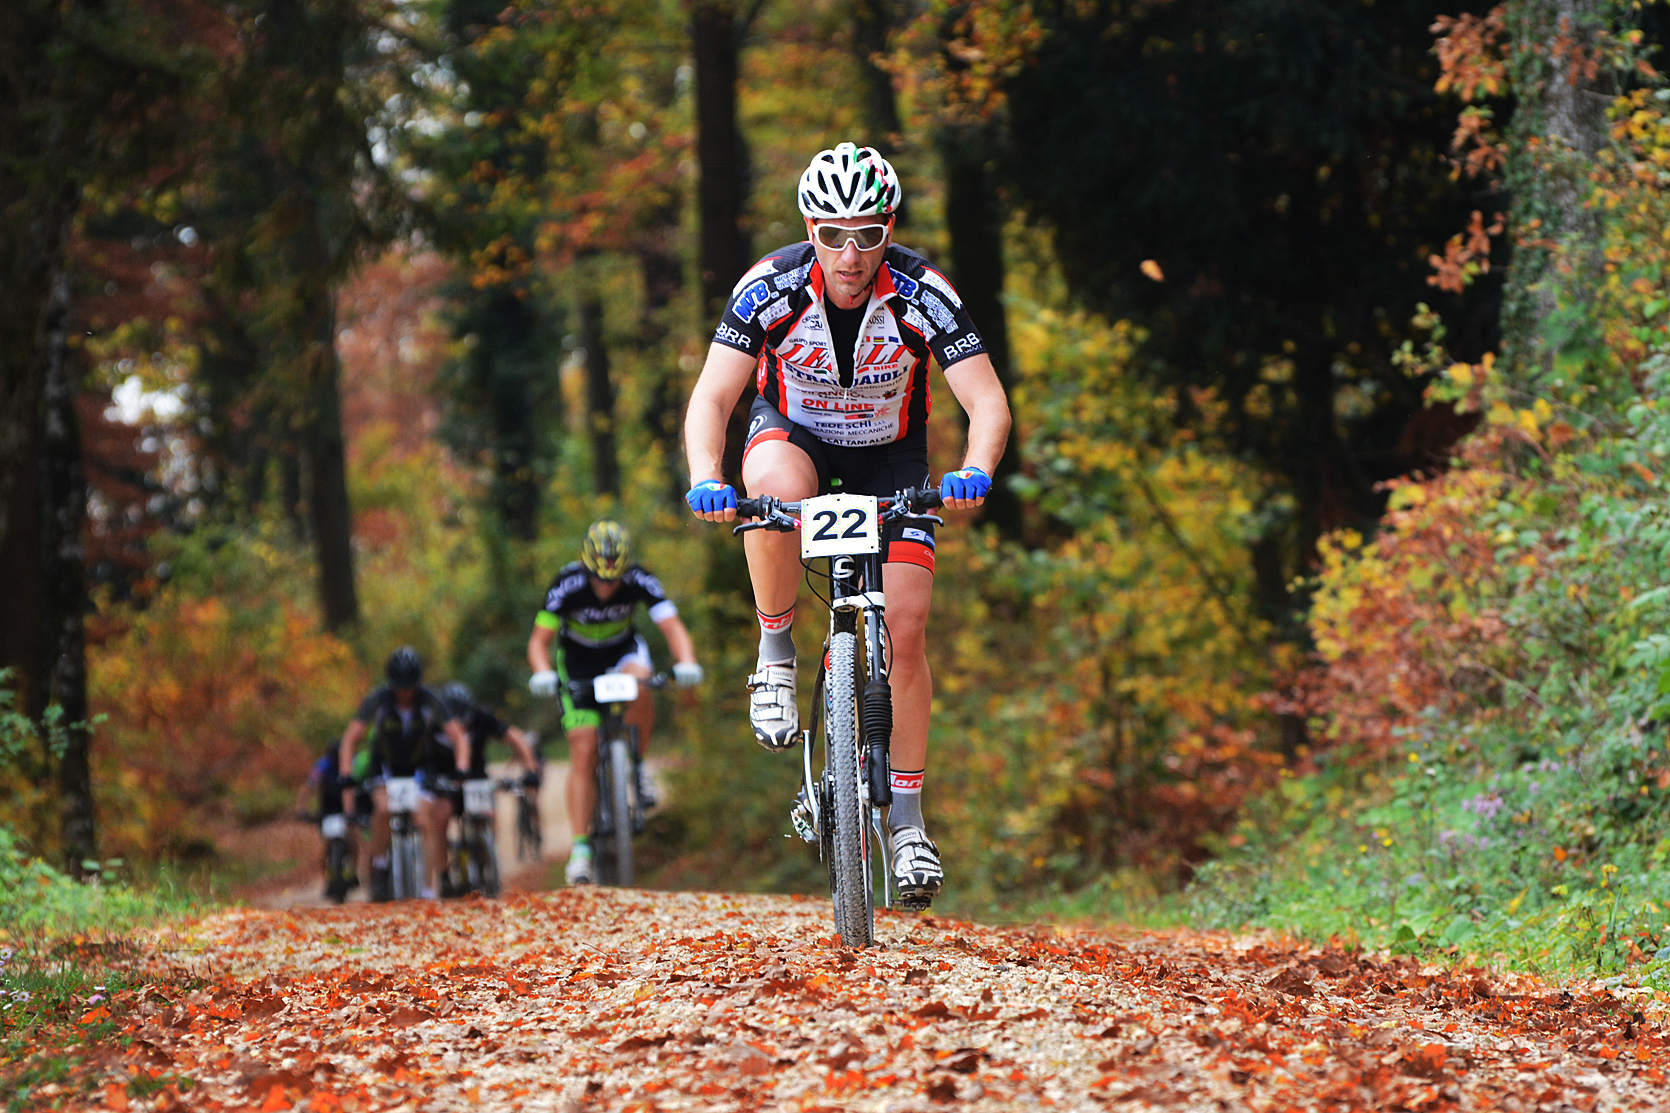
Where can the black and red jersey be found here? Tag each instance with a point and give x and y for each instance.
(776, 312)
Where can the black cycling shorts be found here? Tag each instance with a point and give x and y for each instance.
(882, 470)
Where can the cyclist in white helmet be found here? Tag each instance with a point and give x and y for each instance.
(836, 333)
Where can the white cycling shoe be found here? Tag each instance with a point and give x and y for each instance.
(578, 870)
(772, 710)
(917, 875)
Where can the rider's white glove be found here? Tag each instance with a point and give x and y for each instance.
(688, 674)
(543, 683)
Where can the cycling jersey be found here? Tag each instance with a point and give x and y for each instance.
(405, 742)
(574, 610)
(776, 313)
(482, 726)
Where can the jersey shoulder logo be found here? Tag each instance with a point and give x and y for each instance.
(793, 280)
(750, 300)
(761, 269)
(774, 312)
(906, 285)
(937, 281)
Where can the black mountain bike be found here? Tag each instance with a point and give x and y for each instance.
(618, 815)
(475, 852)
(839, 808)
(530, 841)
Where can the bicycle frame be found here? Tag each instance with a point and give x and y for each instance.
(858, 605)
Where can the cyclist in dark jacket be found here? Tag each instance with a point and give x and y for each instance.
(404, 720)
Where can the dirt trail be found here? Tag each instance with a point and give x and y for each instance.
(628, 1000)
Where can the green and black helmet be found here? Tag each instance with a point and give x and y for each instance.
(607, 550)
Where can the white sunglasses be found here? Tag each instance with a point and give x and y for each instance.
(866, 237)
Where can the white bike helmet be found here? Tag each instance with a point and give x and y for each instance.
(849, 181)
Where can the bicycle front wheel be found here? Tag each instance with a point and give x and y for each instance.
(620, 802)
(408, 866)
(850, 861)
(337, 869)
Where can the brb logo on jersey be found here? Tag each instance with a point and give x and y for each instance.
(750, 300)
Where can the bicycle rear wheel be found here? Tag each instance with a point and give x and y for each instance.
(850, 858)
(620, 803)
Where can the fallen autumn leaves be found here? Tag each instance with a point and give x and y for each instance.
(623, 1000)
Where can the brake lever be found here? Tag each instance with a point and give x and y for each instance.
(935, 518)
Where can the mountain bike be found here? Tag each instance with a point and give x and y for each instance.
(341, 872)
(618, 815)
(475, 852)
(839, 807)
(405, 840)
(530, 841)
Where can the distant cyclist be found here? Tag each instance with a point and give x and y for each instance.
(483, 726)
(588, 613)
(836, 333)
(405, 721)
(322, 795)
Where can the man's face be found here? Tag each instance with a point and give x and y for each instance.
(405, 697)
(847, 271)
(603, 588)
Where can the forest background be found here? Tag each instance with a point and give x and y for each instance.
(1323, 587)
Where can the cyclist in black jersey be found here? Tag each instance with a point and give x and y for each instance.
(404, 721)
(588, 614)
(836, 333)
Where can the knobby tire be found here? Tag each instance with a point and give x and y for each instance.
(407, 865)
(850, 865)
(486, 854)
(620, 802)
(336, 870)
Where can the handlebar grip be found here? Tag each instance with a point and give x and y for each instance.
(747, 508)
(929, 499)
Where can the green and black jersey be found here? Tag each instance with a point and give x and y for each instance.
(573, 609)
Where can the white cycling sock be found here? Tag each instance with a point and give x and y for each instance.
(907, 799)
(776, 637)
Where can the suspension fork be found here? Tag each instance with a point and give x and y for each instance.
(877, 715)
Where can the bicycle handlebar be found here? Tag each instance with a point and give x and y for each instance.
(773, 513)
(658, 681)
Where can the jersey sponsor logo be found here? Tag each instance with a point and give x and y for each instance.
(967, 346)
(774, 312)
(922, 536)
(725, 334)
(870, 354)
(750, 300)
(759, 270)
(793, 280)
(934, 279)
(904, 284)
(938, 311)
(811, 359)
(920, 323)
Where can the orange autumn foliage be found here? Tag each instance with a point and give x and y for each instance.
(213, 713)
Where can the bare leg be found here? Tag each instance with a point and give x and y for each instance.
(776, 468)
(909, 592)
(642, 712)
(582, 779)
(434, 814)
(380, 836)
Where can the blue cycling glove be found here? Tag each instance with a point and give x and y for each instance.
(965, 483)
(711, 497)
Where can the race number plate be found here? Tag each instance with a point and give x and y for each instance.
(839, 525)
(478, 797)
(334, 826)
(403, 794)
(615, 687)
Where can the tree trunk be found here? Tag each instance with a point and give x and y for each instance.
(1559, 124)
(871, 22)
(600, 396)
(326, 462)
(974, 218)
(663, 275)
(721, 152)
(64, 578)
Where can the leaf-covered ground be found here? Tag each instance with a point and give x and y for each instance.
(597, 999)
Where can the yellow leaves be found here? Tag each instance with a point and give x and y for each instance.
(1461, 374)
(1152, 270)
